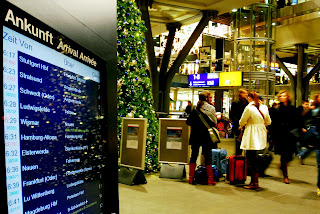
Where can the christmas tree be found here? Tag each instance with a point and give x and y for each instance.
(134, 85)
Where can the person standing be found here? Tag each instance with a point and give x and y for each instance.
(255, 118)
(200, 136)
(189, 108)
(284, 120)
(315, 115)
(237, 108)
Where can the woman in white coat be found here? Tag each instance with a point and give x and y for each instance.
(255, 118)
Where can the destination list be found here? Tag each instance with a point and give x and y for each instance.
(60, 158)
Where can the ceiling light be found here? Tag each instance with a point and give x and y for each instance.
(234, 10)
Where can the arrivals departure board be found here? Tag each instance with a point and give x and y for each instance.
(51, 123)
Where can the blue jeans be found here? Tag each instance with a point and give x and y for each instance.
(318, 166)
(303, 153)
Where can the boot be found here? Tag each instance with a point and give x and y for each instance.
(252, 179)
(192, 169)
(286, 180)
(284, 169)
(254, 184)
(210, 175)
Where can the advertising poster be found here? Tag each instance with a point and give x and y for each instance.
(174, 140)
(205, 56)
(132, 136)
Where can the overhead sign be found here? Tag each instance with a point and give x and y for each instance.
(204, 80)
(230, 78)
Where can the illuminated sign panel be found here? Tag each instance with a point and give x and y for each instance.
(204, 80)
(51, 129)
(230, 78)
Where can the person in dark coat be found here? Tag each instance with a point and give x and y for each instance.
(311, 133)
(189, 108)
(315, 121)
(303, 120)
(200, 136)
(284, 120)
(237, 108)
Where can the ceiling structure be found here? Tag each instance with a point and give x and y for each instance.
(188, 11)
(183, 11)
(299, 24)
(290, 32)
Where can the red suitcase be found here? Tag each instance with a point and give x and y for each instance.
(237, 169)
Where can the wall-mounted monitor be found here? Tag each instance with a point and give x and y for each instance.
(53, 151)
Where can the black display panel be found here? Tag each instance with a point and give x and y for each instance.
(51, 104)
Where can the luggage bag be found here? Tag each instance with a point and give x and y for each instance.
(200, 175)
(237, 169)
(219, 158)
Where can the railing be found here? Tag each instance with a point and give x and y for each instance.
(309, 7)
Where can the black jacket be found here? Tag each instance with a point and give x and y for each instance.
(313, 119)
(199, 132)
(237, 108)
(284, 120)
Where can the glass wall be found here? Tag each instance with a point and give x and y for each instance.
(254, 47)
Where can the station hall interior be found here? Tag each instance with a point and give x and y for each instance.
(275, 47)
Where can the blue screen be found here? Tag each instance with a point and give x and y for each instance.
(204, 80)
(51, 130)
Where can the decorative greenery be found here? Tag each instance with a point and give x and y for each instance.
(134, 85)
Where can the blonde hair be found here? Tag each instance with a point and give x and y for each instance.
(289, 95)
(203, 97)
(315, 100)
(242, 91)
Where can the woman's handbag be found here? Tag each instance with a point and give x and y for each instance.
(213, 132)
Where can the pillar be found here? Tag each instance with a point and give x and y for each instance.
(300, 70)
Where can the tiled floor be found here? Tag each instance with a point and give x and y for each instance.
(170, 196)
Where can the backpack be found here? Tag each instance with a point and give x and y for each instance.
(200, 175)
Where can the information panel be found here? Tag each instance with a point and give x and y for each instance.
(173, 141)
(133, 142)
(51, 130)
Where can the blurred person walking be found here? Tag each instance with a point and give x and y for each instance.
(255, 118)
(315, 115)
(311, 132)
(304, 123)
(284, 120)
